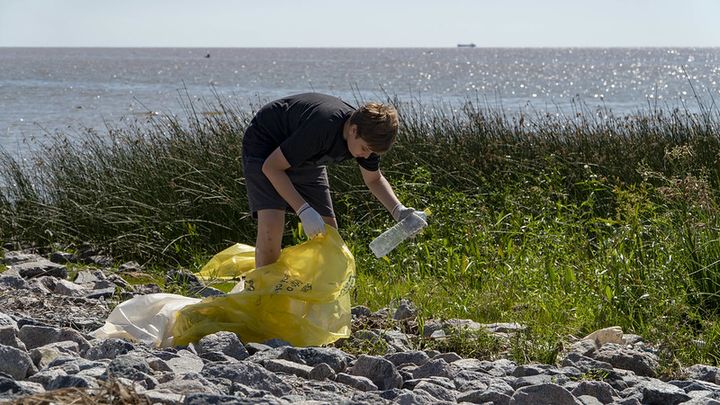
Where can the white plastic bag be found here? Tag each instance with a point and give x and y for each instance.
(145, 318)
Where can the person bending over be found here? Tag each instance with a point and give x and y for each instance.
(286, 149)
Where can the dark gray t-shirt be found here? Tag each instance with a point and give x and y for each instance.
(307, 127)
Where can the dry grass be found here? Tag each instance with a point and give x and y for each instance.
(111, 392)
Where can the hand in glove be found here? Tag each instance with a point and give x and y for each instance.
(401, 212)
(312, 222)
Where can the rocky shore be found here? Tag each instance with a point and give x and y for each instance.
(47, 354)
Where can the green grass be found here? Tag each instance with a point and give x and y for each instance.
(565, 224)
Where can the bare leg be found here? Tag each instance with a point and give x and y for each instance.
(271, 224)
(330, 221)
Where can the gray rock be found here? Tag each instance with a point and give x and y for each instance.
(484, 396)
(64, 287)
(588, 400)
(406, 310)
(158, 364)
(544, 394)
(430, 327)
(129, 266)
(207, 291)
(695, 385)
(132, 367)
(35, 336)
(437, 367)
(185, 363)
(288, 367)
(16, 363)
(217, 357)
(438, 334)
(272, 353)
(601, 390)
(34, 388)
(538, 379)
(467, 324)
(108, 348)
(248, 374)
(161, 396)
(44, 377)
(528, 370)
(253, 347)
(212, 399)
(358, 382)
(369, 398)
(657, 392)
(585, 364)
(450, 357)
(72, 364)
(380, 371)
(96, 373)
(412, 357)
(13, 282)
(44, 355)
(98, 293)
(312, 356)
(10, 388)
(8, 337)
(276, 342)
(71, 381)
(360, 311)
(472, 364)
(391, 394)
(501, 367)
(584, 347)
(227, 343)
(86, 277)
(322, 372)
(62, 257)
(415, 398)
(441, 381)
(6, 320)
(16, 257)
(642, 363)
(365, 335)
(702, 401)
(396, 339)
(436, 391)
(632, 400)
(188, 385)
(704, 373)
(504, 327)
(100, 260)
(40, 267)
(466, 380)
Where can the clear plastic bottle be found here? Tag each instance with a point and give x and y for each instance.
(388, 240)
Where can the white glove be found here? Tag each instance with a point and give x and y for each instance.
(312, 222)
(401, 212)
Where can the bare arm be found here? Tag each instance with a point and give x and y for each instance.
(380, 188)
(274, 168)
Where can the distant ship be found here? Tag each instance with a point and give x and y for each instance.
(470, 45)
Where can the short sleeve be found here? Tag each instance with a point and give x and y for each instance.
(372, 163)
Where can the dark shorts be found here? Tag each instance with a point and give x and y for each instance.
(310, 181)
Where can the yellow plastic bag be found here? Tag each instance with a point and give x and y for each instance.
(231, 263)
(302, 298)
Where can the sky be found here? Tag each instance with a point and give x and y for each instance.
(366, 23)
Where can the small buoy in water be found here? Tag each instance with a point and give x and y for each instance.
(207, 55)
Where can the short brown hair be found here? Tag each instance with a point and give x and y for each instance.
(377, 125)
